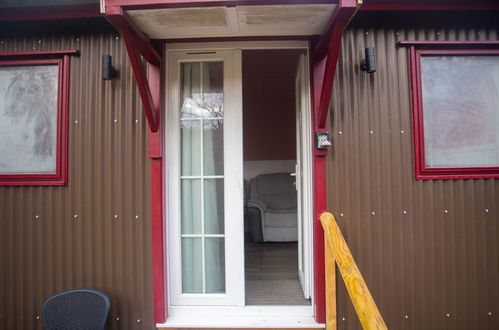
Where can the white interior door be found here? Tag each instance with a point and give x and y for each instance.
(303, 174)
(205, 178)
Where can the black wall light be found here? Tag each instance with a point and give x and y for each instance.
(369, 63)
(108, 71)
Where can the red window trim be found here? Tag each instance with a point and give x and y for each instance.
(61, 59)
(416, 51)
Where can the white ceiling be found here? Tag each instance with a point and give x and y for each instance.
(282, 20)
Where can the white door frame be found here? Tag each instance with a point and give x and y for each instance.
(233, 179)
(172, 196)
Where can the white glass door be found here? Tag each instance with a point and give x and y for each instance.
(205, 182)
(303, 174)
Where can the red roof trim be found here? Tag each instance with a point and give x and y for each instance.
(49, 12)
(43, 53)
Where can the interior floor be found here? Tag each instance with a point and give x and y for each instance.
(272, 274)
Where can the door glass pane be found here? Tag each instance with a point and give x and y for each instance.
(191, 206)
(214, 206)
(215, 265)
(213, 147)
(202, 180)
(192, 265)
(28, 113)
(191, 147)
(190, 88)
(461, 110)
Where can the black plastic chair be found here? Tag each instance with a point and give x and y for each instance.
(79, 309)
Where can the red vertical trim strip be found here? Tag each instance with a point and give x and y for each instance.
(319, 172)
(158, 246)
(66, 85)
(158, 264)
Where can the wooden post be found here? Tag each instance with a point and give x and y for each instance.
(330, 274)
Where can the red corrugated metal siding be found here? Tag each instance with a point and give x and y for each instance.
(425, 263)
(96, 231)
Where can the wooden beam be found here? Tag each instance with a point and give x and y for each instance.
(363, 302)
(120, 20)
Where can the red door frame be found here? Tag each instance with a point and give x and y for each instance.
(323, 64)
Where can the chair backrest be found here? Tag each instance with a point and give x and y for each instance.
(76, 309)
(277, 190)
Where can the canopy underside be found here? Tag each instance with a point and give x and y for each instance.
(204, 22)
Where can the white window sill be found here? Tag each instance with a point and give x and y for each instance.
(241, 317)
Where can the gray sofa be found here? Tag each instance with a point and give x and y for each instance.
(271, 208)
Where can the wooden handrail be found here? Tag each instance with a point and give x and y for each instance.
(336, 249)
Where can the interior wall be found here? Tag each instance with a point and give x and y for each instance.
(428, 250)
(269, 123)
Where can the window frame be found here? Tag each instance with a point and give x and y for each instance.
(416, 52)
(61, 59)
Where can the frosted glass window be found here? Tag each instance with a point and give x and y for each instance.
(460, 97)
(28, 119)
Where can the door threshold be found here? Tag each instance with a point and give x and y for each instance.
(241, 317)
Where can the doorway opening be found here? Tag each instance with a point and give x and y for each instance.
(210, 210)
(275, 166)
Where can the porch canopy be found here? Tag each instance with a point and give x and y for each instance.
(142, 22)
(237, 18)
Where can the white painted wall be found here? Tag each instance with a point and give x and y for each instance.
(255, 167)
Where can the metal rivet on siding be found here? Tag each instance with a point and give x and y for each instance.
(343, 319)
(117, 38)
(118, 318)
(77, 39)
(438, 33)
(115, 121)
(76, 122)
(39, 41)
(341, 214)
(75, 216)
(138, 320)
(406, 316)
(366, 33)
(486, 210)
(137, 121)
(371, 132)
(38, 317)
(37, 216)
(489, 313)
(402, 132)
(372, 213)
(136, 217)
(340, 132)
(397, 34)
(448, 315)
(446, 211)
(116, 216)
(404, 212)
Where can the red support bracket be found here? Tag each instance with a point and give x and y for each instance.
(136, 45)
(328, 47)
